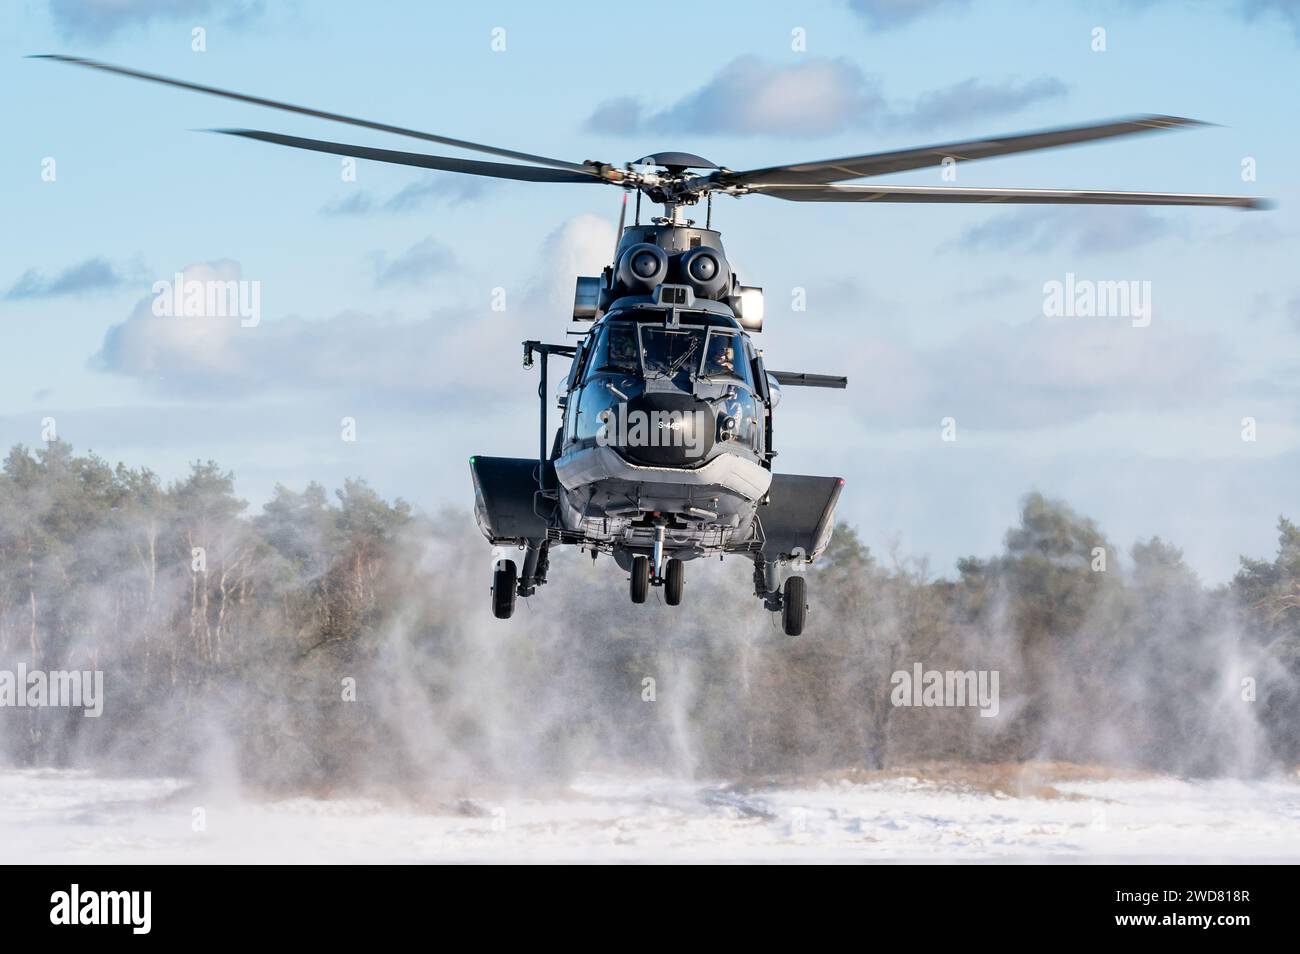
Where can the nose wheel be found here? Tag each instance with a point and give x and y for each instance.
(643, 577)
(640, 578)
(673, 583)
(658, 570)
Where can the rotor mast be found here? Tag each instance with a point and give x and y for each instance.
(674, 214)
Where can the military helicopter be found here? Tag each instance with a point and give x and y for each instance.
(665, 449)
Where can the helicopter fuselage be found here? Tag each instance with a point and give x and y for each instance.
(666, 422)
(667, 405)
(664, 452)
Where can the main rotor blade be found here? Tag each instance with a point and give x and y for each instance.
(321, 114)
(866, 193)
(883, 163)
(474, 167)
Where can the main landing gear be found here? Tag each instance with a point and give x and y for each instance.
(791, 601)
(504, 579)
(508, 582)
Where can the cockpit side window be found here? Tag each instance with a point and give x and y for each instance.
(724, 357)
(614, 351)
(760, 377)
(579, 366)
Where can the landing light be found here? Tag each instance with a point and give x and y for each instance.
(749, 307)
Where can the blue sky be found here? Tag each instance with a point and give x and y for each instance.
(376, 294)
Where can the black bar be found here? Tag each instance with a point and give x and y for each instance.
(927, 905)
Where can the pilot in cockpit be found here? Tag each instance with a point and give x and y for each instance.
(622, 348)
(721, 358)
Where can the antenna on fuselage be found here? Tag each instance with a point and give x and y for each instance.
(622, 217)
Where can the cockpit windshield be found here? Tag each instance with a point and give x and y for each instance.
(668, 351)
(661, 351)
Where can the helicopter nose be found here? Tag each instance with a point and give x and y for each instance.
(666, 430)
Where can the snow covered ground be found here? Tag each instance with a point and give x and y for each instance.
(76, 817)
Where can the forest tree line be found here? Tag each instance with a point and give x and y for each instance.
(345, 642)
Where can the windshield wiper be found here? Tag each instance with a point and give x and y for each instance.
(677, 365)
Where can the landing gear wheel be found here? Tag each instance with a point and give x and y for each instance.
(673, 583)
(504, 578)
(794, 606)
(640, 578)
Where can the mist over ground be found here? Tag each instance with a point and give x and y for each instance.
(344, 644)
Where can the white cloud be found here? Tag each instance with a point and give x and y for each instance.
(815, 96)
(98, 20)
(581, 246)
(890, 14)
(1084, 229)
(151, 346)
(416, 266)
(456, 352)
